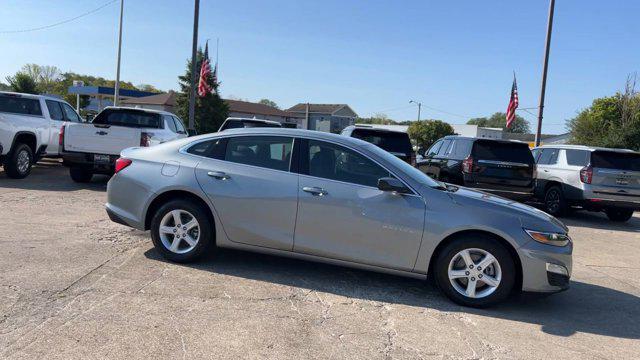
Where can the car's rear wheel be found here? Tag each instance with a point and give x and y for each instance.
(80, 175)
(181, 231)
(19, 161)
(554, 201)
(619, 215)
(475, 270)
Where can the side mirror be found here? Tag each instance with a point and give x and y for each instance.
(393, 185)
(192, 132)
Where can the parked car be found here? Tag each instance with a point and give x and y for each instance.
(502, 167)
(92, 148)
(237, 123)
(345, 202)
(597, 179)
(29, 129)
(395, 142)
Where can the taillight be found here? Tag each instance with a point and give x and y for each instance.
(413, 159)
(586, 174)
(122, 163)
(467, 165)
(61, 137)
(145, 139)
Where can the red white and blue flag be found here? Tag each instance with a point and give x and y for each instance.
(205, 71)
(513, 103)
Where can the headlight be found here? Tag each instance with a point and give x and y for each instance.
(554, 239)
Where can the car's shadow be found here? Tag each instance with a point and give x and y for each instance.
(50, 175)
(584, 307)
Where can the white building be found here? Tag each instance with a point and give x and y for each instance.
(459, 129)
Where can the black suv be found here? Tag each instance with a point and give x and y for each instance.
(502, 167)
(395, 142)
(236, 123)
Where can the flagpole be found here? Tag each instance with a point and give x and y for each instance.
(544, 71)
(194, 51)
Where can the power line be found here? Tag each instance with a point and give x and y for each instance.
(60, 22)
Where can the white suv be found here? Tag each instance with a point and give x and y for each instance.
(30, 129)
(596, 179)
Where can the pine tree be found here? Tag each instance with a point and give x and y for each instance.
(211, 110)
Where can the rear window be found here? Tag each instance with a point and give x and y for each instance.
(237, 124)
(128, 118)
(255, 124)
(20, 105)
(502, 151)
(615, 160)
(388, 140)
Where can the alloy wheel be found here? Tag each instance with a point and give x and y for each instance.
(474, 273)
(179, 231)
(552, 200)
(23, 161)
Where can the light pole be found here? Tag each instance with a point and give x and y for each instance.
(116, 91)
(544, 71)
(419, 106)
(194, 66)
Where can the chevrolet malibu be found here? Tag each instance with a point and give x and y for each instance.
(339, 200)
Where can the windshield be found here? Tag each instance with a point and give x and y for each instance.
(615, 160)
(388, 140)
(405, 167)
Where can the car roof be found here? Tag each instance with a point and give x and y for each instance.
(319, 135)
(253, 120)
(485, 139)
(583, 147)
(33, 96)
(139, 109)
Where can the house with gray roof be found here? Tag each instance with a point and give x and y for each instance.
(324, 117)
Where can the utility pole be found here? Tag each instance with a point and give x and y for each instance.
(116, 91)
(544, 71)
(194, 65)
(419, 107)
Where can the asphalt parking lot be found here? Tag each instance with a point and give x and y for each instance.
(75, 285)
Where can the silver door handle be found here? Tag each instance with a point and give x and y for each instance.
(545, 170)
(315, 190)
(218, 175)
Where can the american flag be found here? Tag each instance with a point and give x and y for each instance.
(513, 103)
(205, 71)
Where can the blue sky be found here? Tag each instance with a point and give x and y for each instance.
(456, 56)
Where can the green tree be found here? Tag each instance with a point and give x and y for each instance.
(210, 110)
(4, 87)
(379, 119)
(269, 103)
(612, 121)
(23, 83)
(426, 132)
(499, 120)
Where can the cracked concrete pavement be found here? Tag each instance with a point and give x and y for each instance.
(75, 285)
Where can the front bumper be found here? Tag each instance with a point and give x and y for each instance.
(542, 267)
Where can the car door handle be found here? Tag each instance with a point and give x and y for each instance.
(315, 190)
(218, 175)
(545, 170)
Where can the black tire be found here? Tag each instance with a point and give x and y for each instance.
(482, 242)
(12, 167)
(206, 234)
(554, 202)
(619, 215)
(80, 175)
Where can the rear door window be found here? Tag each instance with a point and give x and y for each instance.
(615, 160)
(391, 141)
(502, 151)
(461, 148)
(55, 111)
(577, 157)
(214, 148)
(128, 118)
(271, 152)
(20, 105)
(548, 156)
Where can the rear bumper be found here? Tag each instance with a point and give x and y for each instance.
(598, 203)
(86, 161)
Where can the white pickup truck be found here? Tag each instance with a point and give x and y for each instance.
(30, 129)
(93, 148)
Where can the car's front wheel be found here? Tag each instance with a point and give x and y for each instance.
(619, 215)
(181, 231)
(475, 270)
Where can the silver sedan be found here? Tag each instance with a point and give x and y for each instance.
(339, 200)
